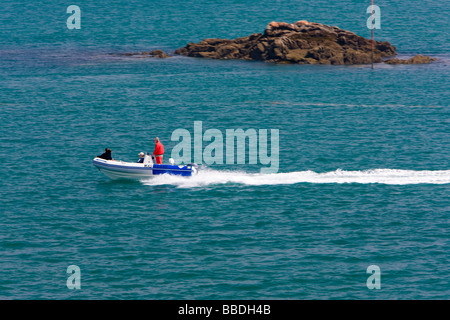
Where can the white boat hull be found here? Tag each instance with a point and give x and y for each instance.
(139, 171)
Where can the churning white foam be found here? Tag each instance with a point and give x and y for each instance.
(208, 177)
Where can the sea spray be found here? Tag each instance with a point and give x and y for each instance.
(383, 176)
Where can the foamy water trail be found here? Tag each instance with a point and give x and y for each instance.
(208, 177)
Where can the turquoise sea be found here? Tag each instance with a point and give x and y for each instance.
(364, 173)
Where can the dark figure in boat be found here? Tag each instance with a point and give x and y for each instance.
(106, 155)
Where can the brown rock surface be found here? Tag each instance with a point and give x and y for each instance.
(419, 59)
(301, 42)
(153, 54)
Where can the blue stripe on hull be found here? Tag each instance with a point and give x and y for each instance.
(178, 172)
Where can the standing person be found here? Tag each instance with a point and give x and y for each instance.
(106, 155)
(159, 151)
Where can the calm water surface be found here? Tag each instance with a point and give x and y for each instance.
(364, 159)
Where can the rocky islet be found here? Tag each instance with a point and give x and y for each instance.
(301, 42)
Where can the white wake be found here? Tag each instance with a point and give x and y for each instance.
(208, 177)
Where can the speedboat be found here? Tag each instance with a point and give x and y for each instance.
(141, 171)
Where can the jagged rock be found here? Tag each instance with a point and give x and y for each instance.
(419, 59)
(301, 42)
(158, 54)
(154, 54)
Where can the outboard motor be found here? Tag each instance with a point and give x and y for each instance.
(148, 162)
(194, 168)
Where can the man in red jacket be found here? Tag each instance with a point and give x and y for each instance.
(159, 151)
